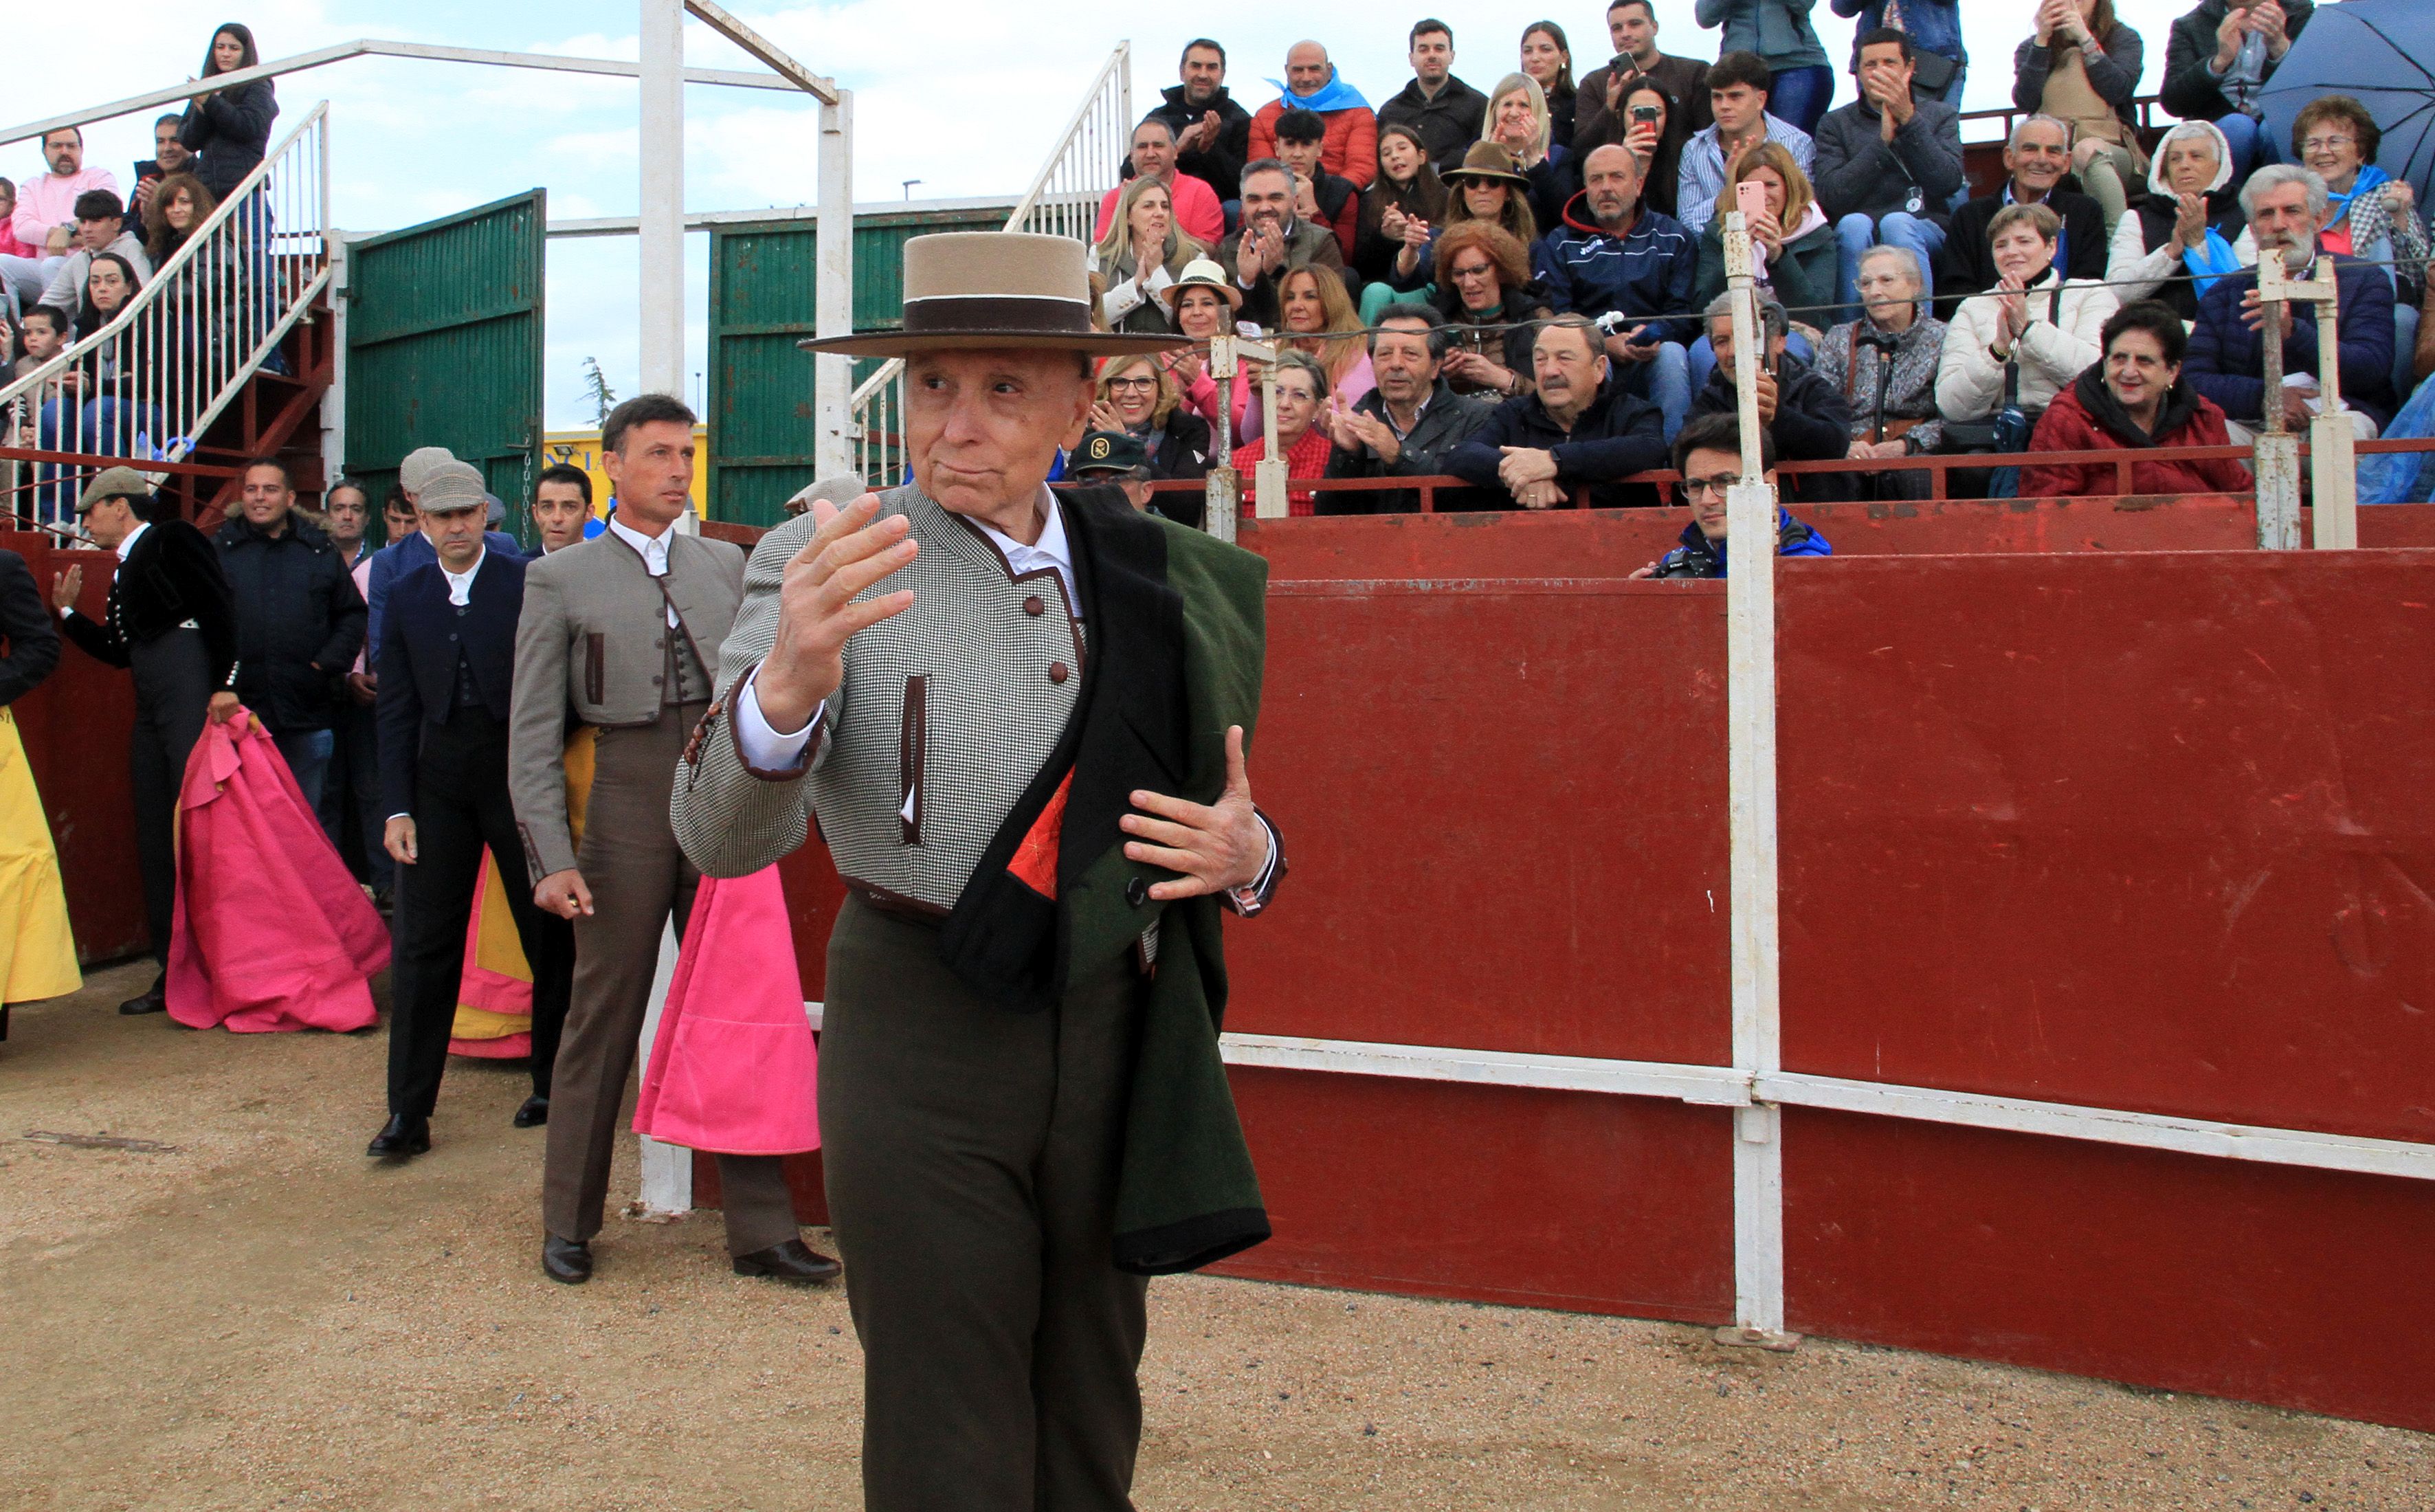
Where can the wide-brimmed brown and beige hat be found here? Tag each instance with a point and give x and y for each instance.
(1490, 163)
(976, 289)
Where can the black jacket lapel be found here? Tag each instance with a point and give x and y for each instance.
(1004, 938)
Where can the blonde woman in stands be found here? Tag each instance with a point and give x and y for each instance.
(2034, 320)
(1143, 254)
(1318, 317)
(1520, 122)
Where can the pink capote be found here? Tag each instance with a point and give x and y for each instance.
(270, 933)
(733, 1067)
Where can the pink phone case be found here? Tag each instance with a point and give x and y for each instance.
(1750, 197)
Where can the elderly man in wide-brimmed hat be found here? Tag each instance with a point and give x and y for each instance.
(1020, 719)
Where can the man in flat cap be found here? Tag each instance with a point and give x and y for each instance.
(447, 671)
(622, 633)
(1020, 719)
(172, 622)
(414, 549)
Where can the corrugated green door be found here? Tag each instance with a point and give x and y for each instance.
(763, 293)
(444, 345)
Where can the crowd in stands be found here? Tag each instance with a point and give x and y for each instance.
(75, 248)
(1445, 256)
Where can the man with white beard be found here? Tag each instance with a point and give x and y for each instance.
(2288, 206)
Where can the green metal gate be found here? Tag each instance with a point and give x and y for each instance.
(444, 345)
(762, 300)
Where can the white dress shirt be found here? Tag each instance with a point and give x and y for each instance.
(653, 550)
(461, 584)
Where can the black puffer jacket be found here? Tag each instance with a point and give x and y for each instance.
(232, 131)
(299, 620)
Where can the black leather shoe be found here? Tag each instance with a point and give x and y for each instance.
(793, 1261)
(153, 999)
(534, 1113)
(400, 1137)
(566, 1260)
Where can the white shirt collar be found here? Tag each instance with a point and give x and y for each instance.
(1051, 550)
(654, 549)
(461, 584)
(127, 543)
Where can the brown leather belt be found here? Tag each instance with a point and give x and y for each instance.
(912, 910)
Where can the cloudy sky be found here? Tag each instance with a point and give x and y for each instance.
(965, 97)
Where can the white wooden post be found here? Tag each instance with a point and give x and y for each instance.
(1749, 703)
(2275, 454)
(833, 374)
(1223, 497)
(2333, 446)
(667, 1169)
(1269, 489)
(660, 304)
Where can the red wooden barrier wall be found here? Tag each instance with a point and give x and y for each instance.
(2151, 830)
(75, 728)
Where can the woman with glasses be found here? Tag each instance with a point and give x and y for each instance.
(1140, 398)
(1301, 388)
(2376, 215)
(1492, 307)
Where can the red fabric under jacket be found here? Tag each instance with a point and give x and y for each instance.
(2068, 427)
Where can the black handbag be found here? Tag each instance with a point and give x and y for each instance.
(1932, 72)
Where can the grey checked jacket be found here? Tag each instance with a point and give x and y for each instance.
(947, 714)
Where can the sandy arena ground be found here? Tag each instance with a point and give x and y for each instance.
(261, 1319)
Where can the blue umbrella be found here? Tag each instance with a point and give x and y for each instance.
(2369, 50)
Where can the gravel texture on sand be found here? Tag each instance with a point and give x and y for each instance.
(262, 1318)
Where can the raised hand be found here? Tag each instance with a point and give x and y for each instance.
(851, 550)
(65, 587)
(1217, 846)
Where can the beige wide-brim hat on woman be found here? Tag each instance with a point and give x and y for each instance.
(969, 290)
(1202, 273)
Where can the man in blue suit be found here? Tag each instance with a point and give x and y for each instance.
(447, 667)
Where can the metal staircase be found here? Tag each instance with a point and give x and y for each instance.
(223, 356)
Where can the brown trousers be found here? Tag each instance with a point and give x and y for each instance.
(971, 1156)
(638, 879)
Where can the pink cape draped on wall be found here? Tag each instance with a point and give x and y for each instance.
(733, 1067)
(271, 931)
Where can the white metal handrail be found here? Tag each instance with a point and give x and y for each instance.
(150, 382)
(1064, 200)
